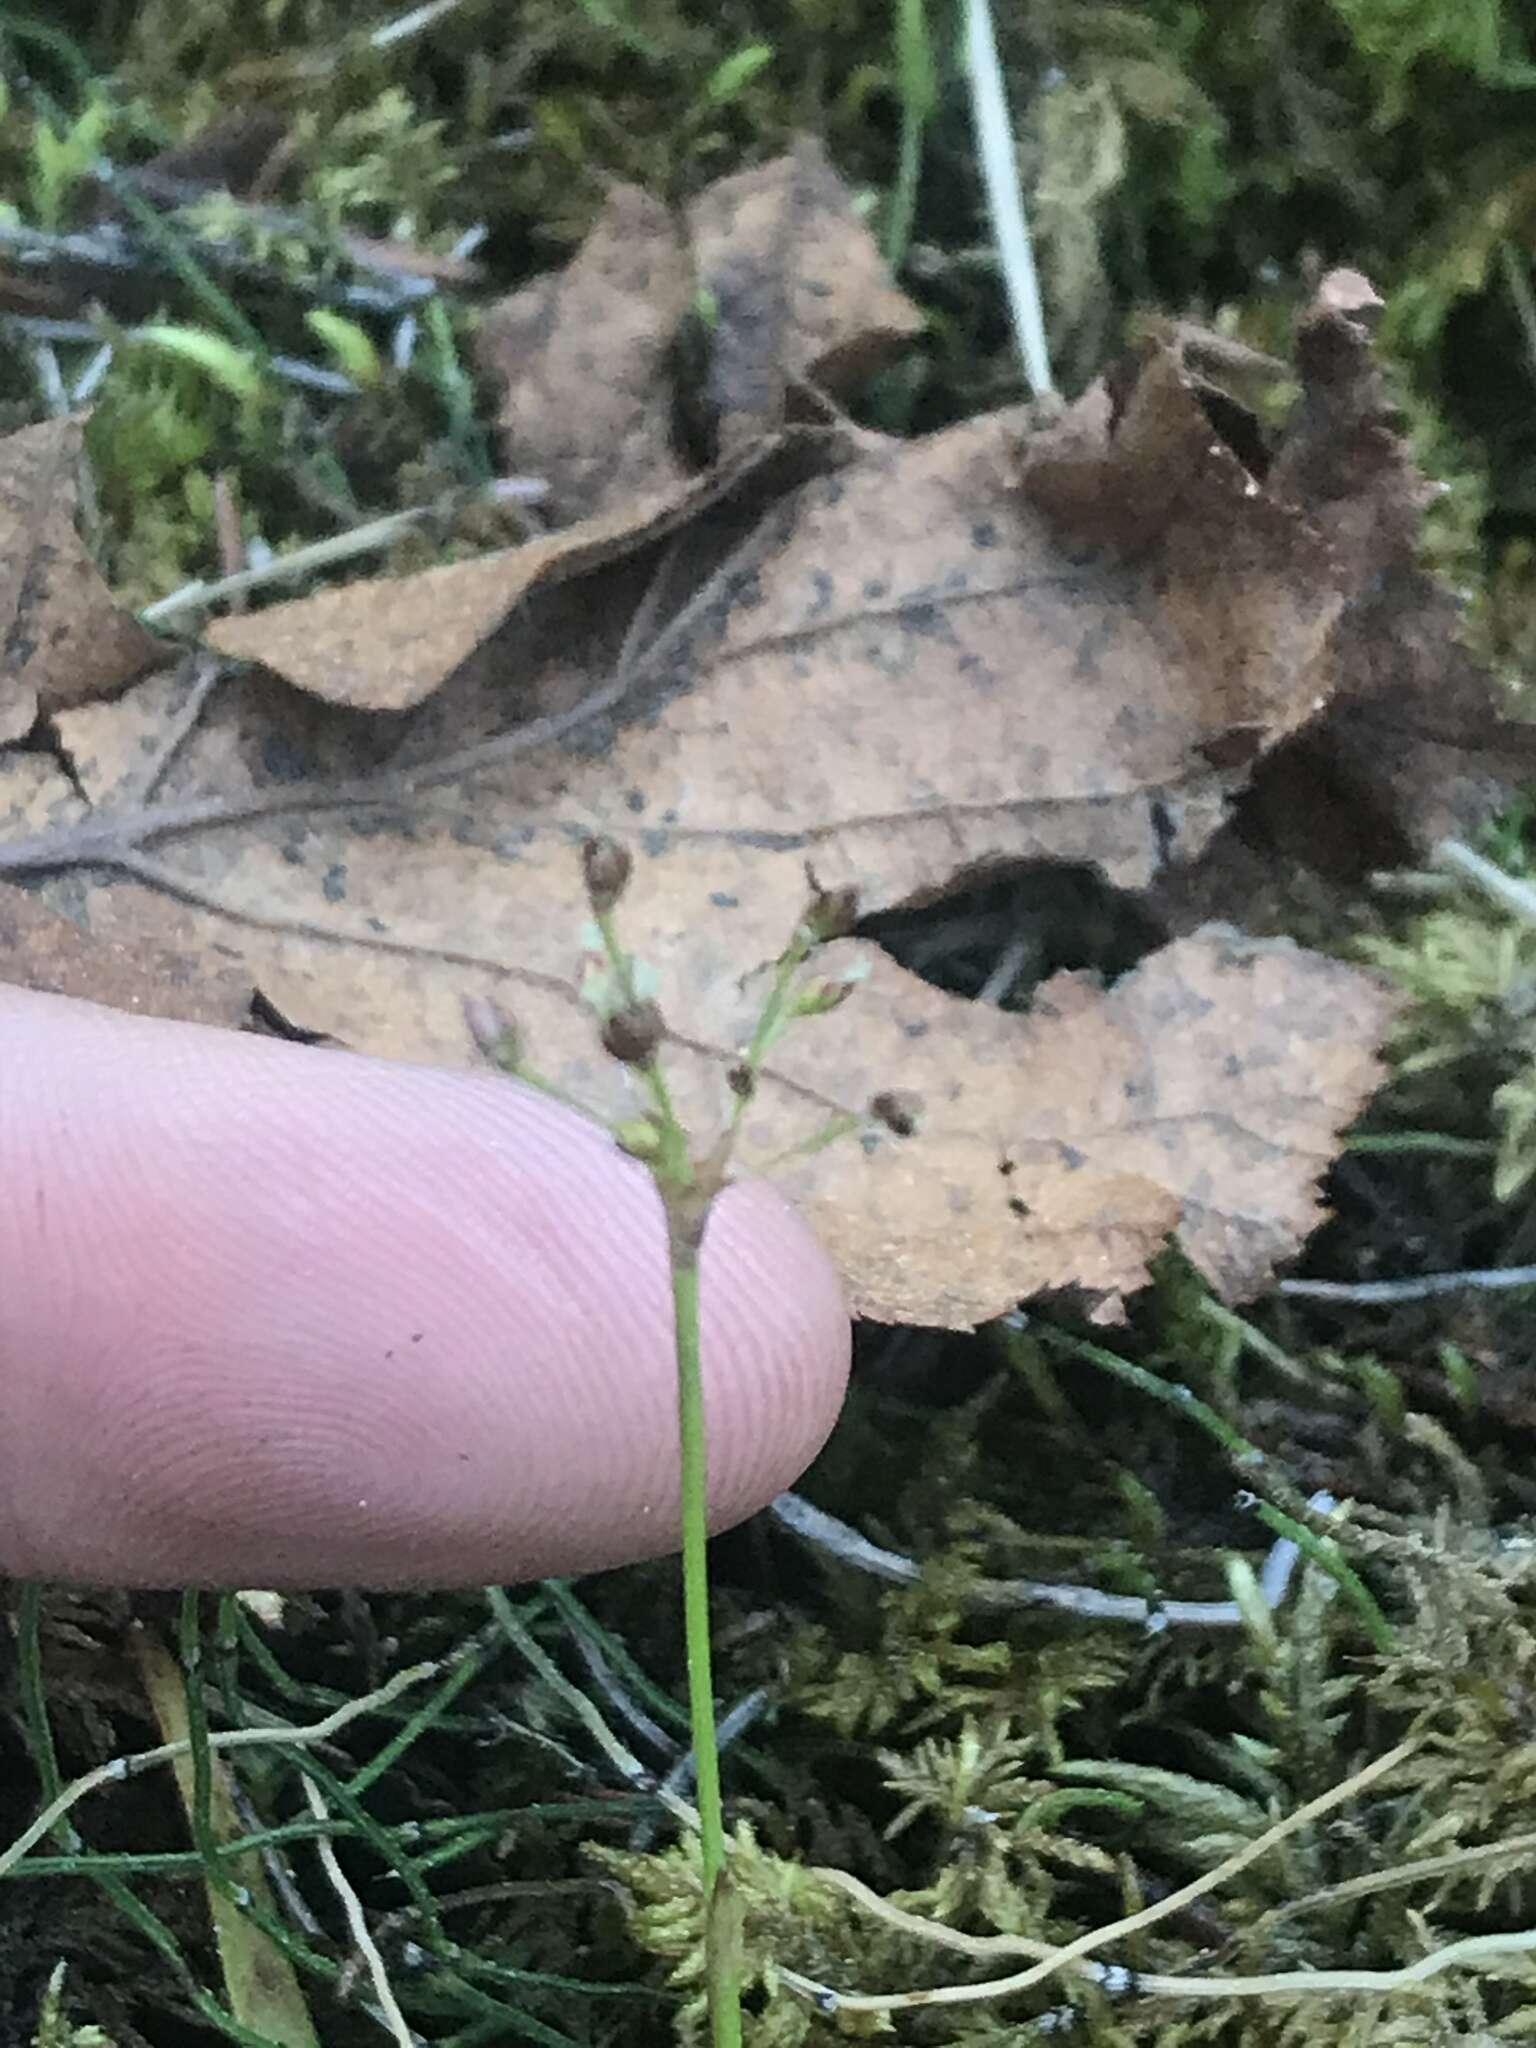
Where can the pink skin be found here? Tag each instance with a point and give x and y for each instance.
(278, 1316)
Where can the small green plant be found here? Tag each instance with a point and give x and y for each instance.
(62, 158)
(1469, 970)
(620, 991)
(54, 2028)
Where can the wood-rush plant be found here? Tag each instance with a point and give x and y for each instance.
(618, 989)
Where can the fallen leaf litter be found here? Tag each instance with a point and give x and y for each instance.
(908, 664)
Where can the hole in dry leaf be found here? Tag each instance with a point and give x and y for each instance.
(1237, 427)
(995, 937)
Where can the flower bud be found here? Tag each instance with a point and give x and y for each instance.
(494, 1032)
(830, 913)
(632, 1034)
(606, 867)
(818, 997)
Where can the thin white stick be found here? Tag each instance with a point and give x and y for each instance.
(828, 2000)
(281, 1736)
(1505, 890)
(336, 547)
(1005, 199)
(411, 24)
(816, 1526)
(1364, 1293)
(389, 2006)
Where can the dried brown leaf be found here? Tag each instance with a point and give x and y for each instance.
(145, 957)
(63, 637)
(583, 361)
(909, 671)
(1415, 741)
(797, 290)
(789, 288)
(389, 642)
(1417, 727)
(1199, 1099)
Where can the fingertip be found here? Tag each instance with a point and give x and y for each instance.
(277, 1317)
(774, 1306)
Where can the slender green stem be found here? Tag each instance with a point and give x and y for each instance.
(687, 1182)
(461, 1673)
(45, 1759)
(200, 1809)
(903, 207)
(34, 1697)
(226, 1650)
(1421, 1141)
(918, 89)
(1328, 1558)
(1253, 1465)
(769, 1028)
(725, 2001)
(162, 235)
(1171, 1393)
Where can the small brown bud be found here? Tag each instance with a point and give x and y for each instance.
(898, 1111)
(742, 1082)
(830, 913)
(632, 1034)
(818, 997)
(606, 867)
(495, 1033)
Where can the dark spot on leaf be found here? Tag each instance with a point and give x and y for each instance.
(918, 1030)
(875, 589)
(984, 534)
(1071, 1157)
(634, 799)
(655, 841)
(723, 900)
(334, 886)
